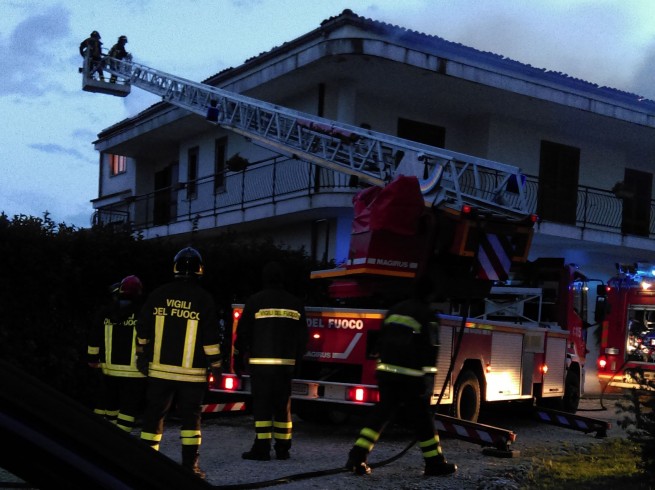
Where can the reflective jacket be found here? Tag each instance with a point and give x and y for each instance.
(112, 340)
(408, 340)
(179, 331)
(272, 329)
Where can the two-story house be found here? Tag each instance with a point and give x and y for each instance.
(588, 151)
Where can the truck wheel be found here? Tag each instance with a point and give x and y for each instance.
(466, 404)
(571, 398)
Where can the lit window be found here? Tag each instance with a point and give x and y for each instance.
(117, 164)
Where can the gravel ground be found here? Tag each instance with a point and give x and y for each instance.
(325, 447)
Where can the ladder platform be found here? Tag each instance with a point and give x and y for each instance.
(100, 87)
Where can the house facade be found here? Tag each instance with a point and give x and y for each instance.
(588, 152)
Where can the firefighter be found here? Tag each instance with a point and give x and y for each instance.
(407, 352)
(93, 349)
(91, 47)
(272, 333)
(179, 338)
(118, 52)
(112, 347)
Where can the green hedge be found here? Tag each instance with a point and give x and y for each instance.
(55, 278)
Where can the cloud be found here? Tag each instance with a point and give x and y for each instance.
(55, 149)
(643, 81)
(30, 52)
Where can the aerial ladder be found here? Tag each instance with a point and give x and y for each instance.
(446, 178)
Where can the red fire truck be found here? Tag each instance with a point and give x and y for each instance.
(627, 347)
(516, 334)
(510, 329)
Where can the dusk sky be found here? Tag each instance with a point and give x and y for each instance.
(49, 123)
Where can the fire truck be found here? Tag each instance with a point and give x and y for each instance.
(511, 329)
(627, 346)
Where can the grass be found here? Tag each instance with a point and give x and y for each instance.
(611, 464)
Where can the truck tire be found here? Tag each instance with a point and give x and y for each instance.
(571, 398)
(466, 403)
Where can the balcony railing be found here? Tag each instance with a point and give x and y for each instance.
(280, 178)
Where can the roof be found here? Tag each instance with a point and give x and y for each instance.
(435, 46)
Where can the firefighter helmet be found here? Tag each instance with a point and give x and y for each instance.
(188, 263)
(95, 34)
(131, 287)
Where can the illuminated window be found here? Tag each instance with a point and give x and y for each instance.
(117, 164)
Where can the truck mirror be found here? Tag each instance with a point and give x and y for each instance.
(602, 308)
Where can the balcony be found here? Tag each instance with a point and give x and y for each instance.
(293, 186)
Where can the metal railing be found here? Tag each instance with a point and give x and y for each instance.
(280, 178)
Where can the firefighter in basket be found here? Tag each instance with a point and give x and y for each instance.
(407, 353)
(118, 52)
(91, 50)
(178, 333)
(272, 333)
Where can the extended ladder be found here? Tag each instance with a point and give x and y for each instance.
(446, 178)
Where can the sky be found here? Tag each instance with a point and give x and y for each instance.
(48, 162)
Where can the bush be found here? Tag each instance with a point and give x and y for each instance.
(57, 277)
(637, 411)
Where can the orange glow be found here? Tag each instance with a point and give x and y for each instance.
(602, 363)
(236, 314)
(316, 336)
(544, 368)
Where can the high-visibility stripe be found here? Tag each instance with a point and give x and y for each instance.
(190, 342)
(159, 329)
(212, 350)
(390, 368)
(405, 321)
(367, 438)
(277, 313)
(108, 334)
(121, 371)
(272, 361)
(190, 437)
(93, 351)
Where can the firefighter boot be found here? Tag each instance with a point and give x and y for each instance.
(357, 461)
(260, 451)
(439, 467)
(190, 455)
(282, 449)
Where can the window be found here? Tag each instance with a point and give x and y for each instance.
(192, 173)
(428, 134)
(220, 150)
(117, 165)
(558, 182)
(636, 198)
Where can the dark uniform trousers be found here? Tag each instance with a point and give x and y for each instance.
(271, 395)
(398, 391)
(189, 397)
(123, 400)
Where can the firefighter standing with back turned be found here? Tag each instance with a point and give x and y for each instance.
(407, 353)
(112, 348)
(178, 331)
(272, 333)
